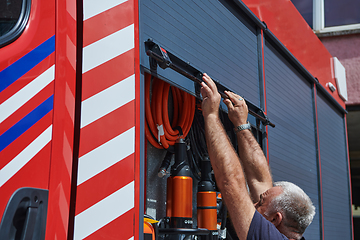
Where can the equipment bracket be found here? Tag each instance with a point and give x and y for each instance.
(165, 59)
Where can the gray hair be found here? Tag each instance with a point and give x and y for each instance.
(297, 209)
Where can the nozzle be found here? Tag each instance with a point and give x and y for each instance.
(180, 167)
(165, 164)
(206, 183)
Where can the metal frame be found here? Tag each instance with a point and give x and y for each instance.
(319, 21)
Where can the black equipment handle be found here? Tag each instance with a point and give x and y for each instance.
(167, 60)
(185, 231)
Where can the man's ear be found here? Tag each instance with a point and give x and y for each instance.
(277, 219)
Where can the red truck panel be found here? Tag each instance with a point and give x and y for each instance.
(63, 125)
(286, 23)
(105, 199)
(27, 71)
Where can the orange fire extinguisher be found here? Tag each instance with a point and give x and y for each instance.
(179, 190)
(207, 202)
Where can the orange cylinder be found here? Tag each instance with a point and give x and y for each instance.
(181, 197)
(169, 197)
(179, 190)
(206, 210)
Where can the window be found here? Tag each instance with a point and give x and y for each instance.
(330, 15)
(14, 15)
(305, 7)
(342, 12)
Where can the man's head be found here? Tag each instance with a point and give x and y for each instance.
(288, 207)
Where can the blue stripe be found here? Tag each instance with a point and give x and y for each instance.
(27, 122)
(27, 62)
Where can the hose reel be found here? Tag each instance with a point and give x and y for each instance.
(158, 130)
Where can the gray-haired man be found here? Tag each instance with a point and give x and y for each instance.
(280, 211)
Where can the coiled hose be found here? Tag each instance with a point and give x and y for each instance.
(158, 130)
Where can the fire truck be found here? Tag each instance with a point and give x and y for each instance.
(101, 132)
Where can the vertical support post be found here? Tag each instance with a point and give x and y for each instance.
(262, 86)
(316, 130)
(318, 15)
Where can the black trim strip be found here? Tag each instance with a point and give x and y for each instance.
(185, 231)
(351, 108)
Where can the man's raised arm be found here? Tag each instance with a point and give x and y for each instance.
(257, 171)
(224, 160)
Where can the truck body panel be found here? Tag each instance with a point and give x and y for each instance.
(72, 108)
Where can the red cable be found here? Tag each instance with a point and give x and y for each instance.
(157, 115)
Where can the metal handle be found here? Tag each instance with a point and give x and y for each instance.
(165, 60)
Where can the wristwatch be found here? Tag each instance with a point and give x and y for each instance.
(242, 127)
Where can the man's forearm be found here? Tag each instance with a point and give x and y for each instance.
(229, 175)
(222, 155)
(255, 165)
(252, 158)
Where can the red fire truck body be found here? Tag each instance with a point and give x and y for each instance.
(71, 115)
(40, 105)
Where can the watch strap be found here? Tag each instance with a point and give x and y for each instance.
(242, 127)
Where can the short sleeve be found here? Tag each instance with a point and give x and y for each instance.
(262, 229)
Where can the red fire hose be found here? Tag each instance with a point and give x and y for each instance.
(158, 130)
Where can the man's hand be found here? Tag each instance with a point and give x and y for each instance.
(225, 162)
(237, 109)
(211, 97)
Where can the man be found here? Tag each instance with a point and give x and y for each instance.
(282, 211)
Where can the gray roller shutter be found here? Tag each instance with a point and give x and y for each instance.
(211, 36)
(334, 171)
(292, 143)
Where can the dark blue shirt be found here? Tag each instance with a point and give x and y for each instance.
(262, 229)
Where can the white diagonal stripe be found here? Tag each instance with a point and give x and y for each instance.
(94, 7)
(107, 100)
(108, 47)
(106, 155)
(25, 156)
(26, 93)
(104, 212)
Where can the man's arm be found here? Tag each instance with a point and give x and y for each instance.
(256, 168)
(224, 160)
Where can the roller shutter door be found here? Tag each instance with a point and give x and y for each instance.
(213, 37)
(335, 171)
(292, 143)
